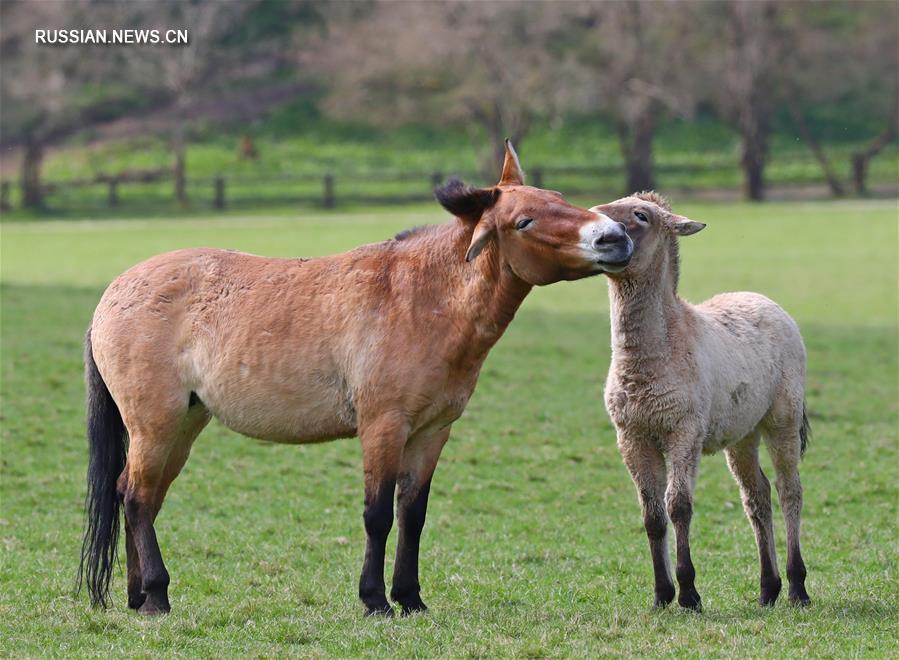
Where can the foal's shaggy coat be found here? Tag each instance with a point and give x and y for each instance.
(384, 342)
(689, 379)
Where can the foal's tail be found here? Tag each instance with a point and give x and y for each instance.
(805, 431)
(106, 438)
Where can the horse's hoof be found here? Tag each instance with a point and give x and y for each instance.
(148, 609)
(135, 601)
(690, 600)
(379, 610)
(664, 597)
(413, 606)
(799, 598)
(155, 604)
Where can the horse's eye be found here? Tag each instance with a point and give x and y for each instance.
(641, 216)
(524, 223)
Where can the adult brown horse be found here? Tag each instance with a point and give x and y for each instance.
(384, 342)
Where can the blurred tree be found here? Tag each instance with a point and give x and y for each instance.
(875, 58)
(187, 72)
(638, 71)
(744, 45)
(837, 60)
(50, 92)
(493, 64)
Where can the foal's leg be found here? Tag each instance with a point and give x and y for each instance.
(382, 447)
(743, 460)
(683, 466)
(784, 445)
(156, 455)
(647, 467)
(419, 460)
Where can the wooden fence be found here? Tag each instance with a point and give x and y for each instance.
(156, 188)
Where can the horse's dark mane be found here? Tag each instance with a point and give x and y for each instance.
(412, 231)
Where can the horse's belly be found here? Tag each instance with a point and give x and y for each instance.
(308, 414)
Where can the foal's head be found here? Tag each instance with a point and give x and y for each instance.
(653, 227)
(541, 237)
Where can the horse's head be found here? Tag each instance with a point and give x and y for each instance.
(540, 236)
(652, 226)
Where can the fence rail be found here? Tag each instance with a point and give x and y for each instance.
(328, 190)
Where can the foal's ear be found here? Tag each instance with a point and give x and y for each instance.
(512, 174)
(683, 226)
(464, 201)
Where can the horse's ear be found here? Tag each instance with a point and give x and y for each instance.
(464, 201)
(483, 232)
(512, 174)
(683, 226)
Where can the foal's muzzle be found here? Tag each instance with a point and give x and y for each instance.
(609, 243)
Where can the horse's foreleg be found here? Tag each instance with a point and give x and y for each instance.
(683, 466)
(419, 460)
(382, 447)
(647, 467)
(743, 460)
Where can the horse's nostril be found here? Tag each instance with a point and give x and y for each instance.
(598, 241)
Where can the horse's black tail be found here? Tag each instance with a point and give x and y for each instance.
(805, 431)
(107, 442)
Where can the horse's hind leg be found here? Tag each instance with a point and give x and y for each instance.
(784, 445)
(743, 460)
(156, 455)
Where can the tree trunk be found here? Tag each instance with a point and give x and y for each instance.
(861, 158)
(753, 148)
(833, 182)
(180, 168)
(32, 158)
(636, 148)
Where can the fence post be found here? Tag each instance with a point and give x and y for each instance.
(436, 179)
(328, 192)
(537, 177)
(112, 197)
(4, 196)
(218, 200)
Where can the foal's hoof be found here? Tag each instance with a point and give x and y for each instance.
(690, 600)
(381, 609)
(770, 592)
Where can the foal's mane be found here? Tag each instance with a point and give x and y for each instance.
(671, 239)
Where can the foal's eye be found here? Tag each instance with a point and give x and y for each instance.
(641, 216)
(524, 223)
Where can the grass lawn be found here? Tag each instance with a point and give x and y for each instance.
(534, 544)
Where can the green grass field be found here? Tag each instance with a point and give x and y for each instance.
(534, 544)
